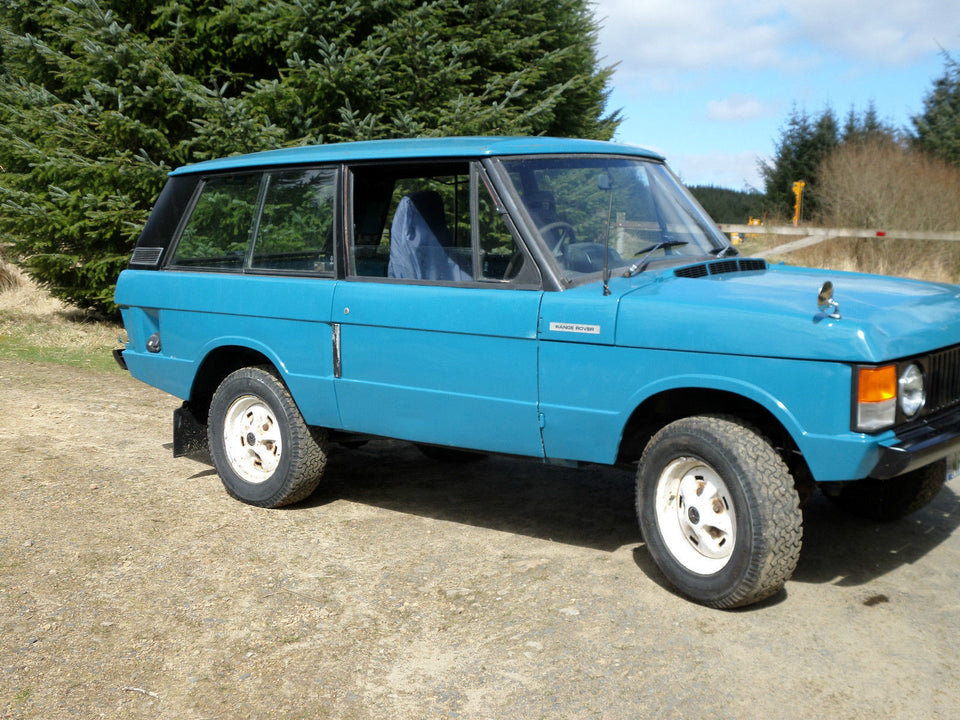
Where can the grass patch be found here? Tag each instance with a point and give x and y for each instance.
(24, 344)
(37, 328)
(931, 260)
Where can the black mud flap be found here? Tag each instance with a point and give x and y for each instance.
(118, 356)
(189, 434)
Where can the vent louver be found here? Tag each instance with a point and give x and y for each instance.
(146, 256)
(721, 267)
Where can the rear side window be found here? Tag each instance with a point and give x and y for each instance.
(220, 227)
(296, 226)
(281, 221)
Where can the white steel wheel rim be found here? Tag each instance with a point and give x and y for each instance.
(696, 515)
(251, 439)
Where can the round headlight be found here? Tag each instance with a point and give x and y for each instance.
(911, 392)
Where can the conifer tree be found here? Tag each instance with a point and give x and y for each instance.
(867, 127)
(938, 127)
(99, 99)
(804, 143)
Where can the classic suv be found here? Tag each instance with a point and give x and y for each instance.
(565, 300)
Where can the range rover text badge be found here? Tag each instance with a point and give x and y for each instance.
(575, 328)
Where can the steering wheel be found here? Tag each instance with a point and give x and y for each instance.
(564, 232)
(513, 267)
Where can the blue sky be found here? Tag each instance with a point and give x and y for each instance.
(710, 83)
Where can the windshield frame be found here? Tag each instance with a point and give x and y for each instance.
(677, 193)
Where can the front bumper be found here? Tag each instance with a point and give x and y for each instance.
(919, 446)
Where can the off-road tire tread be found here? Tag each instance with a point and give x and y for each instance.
(778, 534)
(307, 445)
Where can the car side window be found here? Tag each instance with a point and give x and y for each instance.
(218, 231)
(436, 223)
(297, 222)
(500, 257)
(288, 215)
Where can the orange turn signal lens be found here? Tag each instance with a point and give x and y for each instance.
(877, 384)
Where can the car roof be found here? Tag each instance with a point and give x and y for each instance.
(417, 149)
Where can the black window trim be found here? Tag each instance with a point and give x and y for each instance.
(263, 172)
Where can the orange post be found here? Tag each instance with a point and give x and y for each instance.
(798, 187)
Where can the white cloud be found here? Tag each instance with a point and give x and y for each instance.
(885, 32)
(652, 37)
(736, 108)
(732, 170)
(704, 75)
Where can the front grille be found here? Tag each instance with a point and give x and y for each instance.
(943, 373)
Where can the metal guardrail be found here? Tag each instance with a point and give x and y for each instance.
(816, 235)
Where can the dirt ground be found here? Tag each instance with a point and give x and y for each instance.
(132, 586)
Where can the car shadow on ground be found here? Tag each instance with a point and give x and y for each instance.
(844, 550)
(593, 507)
(588, 507)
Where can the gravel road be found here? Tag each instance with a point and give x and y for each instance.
(132, 586)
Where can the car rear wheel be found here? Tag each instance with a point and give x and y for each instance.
(265, 453)
(718, 511)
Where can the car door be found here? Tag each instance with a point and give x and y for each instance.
(436, 323)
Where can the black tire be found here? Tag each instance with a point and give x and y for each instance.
(265, 453)
(894, 498)
(728, 527)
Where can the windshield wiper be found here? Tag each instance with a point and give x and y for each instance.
(720, 252)
(640, 265)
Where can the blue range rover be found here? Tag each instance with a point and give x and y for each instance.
(564, 300)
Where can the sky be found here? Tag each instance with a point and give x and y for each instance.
(710, 83)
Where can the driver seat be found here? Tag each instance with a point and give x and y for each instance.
(419, 239)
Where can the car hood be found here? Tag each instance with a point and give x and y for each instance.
(773, 312)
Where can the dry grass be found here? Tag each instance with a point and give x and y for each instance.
(882, 184)
(10, 277)
(936, 261)
(37, 327)
(932, 260)
(885, 185)
(20, 296)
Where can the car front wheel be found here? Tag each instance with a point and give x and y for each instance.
(265, 453)
(718, 511)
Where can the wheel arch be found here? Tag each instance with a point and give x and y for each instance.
(217, 363)
(670, 404)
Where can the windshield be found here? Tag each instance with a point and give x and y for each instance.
(579, 204)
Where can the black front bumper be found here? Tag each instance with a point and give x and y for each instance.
(919, 446)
